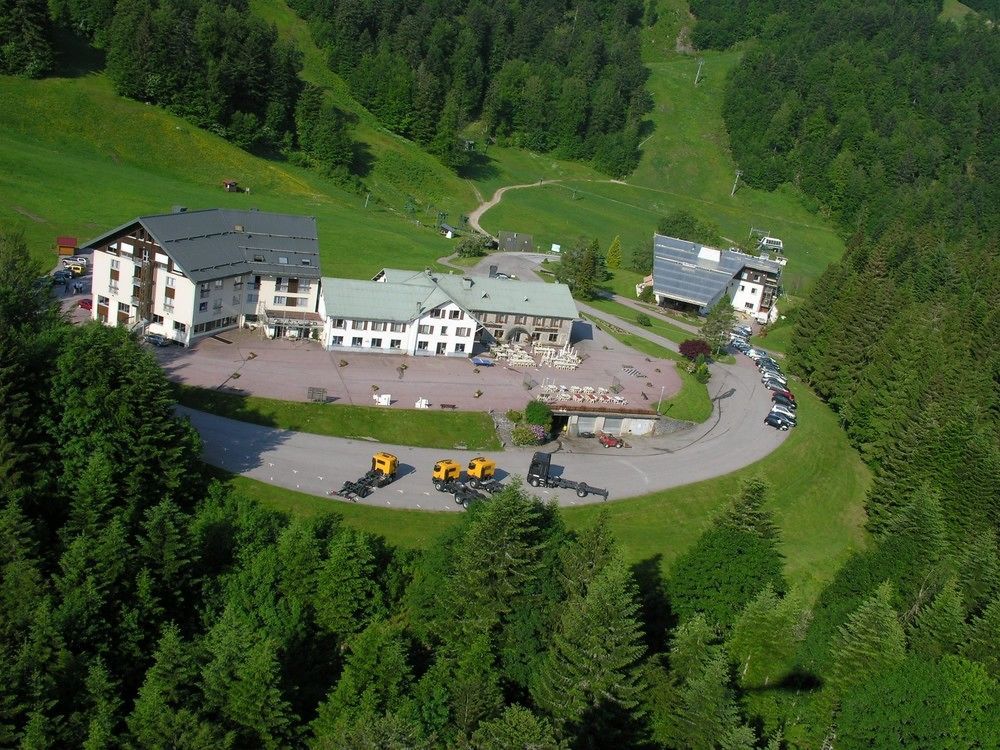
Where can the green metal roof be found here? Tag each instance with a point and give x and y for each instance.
(405, 295)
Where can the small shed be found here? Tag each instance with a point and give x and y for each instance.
(231, 186)
(516, 242)
(67, 245)
(448, 231)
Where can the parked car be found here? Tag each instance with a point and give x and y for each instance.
(610, 441)
(767, 362)
(756, 354)
(80, 260)
(776, 387)
(61, 276)
(157, 340)
(741, 346)
(743, 330)
(87, 303)
(771, 378)
(766, 371)
(777, 398)
(777, 421)
(783, 410)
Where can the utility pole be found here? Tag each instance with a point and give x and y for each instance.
(367, 197)
(697, 76)
(739, 173)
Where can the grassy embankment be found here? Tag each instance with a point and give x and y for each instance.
(416, 427)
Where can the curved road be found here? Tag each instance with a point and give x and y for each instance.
(733, 437)
(482, 208)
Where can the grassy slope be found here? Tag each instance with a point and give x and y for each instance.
(425, 429)
(953, 10)
(816, 504)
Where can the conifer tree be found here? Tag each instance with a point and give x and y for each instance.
(517, 729)
(871, 640)
(765, 638)
(984, 635)
(586, 556)
(590, 683)
(718, 323)
(348, 595)
(706, 715)
(614, 257)
(939, 628)
(102, 695)
(475, 687)
(978, 570)
(748, 513)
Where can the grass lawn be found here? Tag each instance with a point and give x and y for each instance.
(691, 402)
(659, 325)
(817, 502)
(417, 427)
(635, 342)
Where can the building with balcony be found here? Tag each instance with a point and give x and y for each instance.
(428, 313)
(189, 274)
(688, 275)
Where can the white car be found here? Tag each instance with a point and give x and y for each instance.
(775, 377)
(756, 354)
(80, 260)
(783, 411)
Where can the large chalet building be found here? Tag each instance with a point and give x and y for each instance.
(430, 313)
(189, 274)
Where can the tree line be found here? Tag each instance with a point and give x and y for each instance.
(145, 604)
(546, 75)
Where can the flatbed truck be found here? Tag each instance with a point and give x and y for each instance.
(540, 475)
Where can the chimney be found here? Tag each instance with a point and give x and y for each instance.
(466, 282)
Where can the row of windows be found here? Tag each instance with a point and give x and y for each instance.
(359, 342)
(536, 336)
(426, 330)
(523, 320)
(452, 314)
(213, 324)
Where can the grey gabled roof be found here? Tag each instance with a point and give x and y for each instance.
(698, 274)
(218, 242)
(398, 295)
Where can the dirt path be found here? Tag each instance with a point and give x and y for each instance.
(482, 208)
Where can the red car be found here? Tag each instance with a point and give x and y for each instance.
(87, 303)
(610, 441)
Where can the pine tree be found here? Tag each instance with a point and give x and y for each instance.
(939, 628)
(984, 635)
(25, 31)
(614, 257)
(747, 512)
(871, 640)
(765, 638)
(706, 715)
(587, 555)
(517, 729)
(348, 595)
(102, 695)
(475, 687)
(978, 570)
(590, 683)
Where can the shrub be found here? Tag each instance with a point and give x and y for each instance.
(538, 413)
(514, 416)
(699, 368)
(473, 246)
(524, 435)
(646, 295)
(694, 348)
(643, 320)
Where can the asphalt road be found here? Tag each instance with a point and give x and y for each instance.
(733, 437)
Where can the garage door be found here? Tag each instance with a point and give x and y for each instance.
(586, 424)
(613, 425)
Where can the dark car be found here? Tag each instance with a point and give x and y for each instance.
(778, 421)
(777, 398)
(776, 387)
(87, 303)
(767, 362)
(157, 340)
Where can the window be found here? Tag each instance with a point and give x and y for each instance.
(444, 330)
(422, 346)
(218, 283)
(251, 298)
(336, 340)
(535, 336)
(455, 314)
(459, 347)
(378, 325)
(103, 300)
(536, 321)
(425, 330)
(279, 285)
(746, 275)
(293, 302)
(753, 290)
(217, 304)
(437, 313)
(278, 300)
(553, 337)
(204, 291)
(112, 288)
(170, 281)
(376, 343)
(202, 306)
(748, 305)
(304, 286)
(180, 327)
(520, 319)
(283, 260)
(743, 287)
(236, 300)
(356, 341)
(463, 331)
(258, 258)
(397, 327)
(115, 264)
(158, 319)
(306, 262)
(359, 325)
(168, 305)
(498, 333)
(501, 318)
(123, 307)
(395, 343)
(339, 323)
(238, 282)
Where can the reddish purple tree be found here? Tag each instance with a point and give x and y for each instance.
(693, 348)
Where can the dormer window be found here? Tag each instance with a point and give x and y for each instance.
(283, 260)
(306, 262)
(258, 258)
